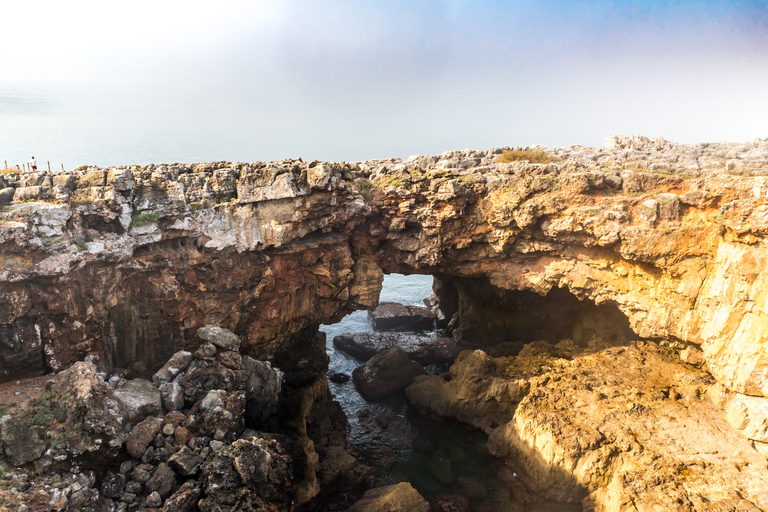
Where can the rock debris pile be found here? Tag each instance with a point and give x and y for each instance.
(176, 443)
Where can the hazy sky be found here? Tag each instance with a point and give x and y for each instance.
(349, 80)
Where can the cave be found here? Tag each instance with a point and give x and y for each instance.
(487, 315)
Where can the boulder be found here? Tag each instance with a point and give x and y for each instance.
(172, 395)
(21, 442)
(175, 365)
(424, 349)
(142, 435)
(204, 375)
(162, 481)
(185, 499)
(243, 475)
(90, 414)
(220, 337)
(385, 373)
(185, 462)
(392, 316)
(400, 497)
(262, 391)
(338, 377)
(140, 398)
(6, 195)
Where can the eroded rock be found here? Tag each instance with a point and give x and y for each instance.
(391, 316)
(385, 373)
(400, 497)
(424, 349)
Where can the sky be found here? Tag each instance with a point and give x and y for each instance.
(141, 81)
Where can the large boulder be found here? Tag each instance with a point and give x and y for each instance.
(385, 373)
(86, 415)
(20, 440)
(222, 338)
(424, 349)
(392, 316)
(6, 195)
(142, 435)
(140, 398)
(400, 497)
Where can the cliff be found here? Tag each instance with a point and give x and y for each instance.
(642, 238)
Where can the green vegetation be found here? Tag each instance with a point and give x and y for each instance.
(44, 413)
(3, 410)
(718, 216)
(194, 206)
(40, 234)
(533, 156)
(81, 246)
(394, 181)
(7, 209)
(143, 218)
(57, 440)
(366, 190)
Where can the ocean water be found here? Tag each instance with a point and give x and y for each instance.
(431, 455)
(77, 129)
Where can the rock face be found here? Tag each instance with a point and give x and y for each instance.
(640, 239)
(613, 428)
(175, 236)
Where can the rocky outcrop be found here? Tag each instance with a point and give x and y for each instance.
(628, 426)
(392, 498)
(640, 239)
(199, 457)
(392, 316)
(669, 234)
(424, 349)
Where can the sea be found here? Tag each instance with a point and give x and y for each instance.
(431, 455)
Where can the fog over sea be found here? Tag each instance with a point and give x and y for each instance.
(74, 130)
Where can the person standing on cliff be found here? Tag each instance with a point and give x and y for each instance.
(33, 164)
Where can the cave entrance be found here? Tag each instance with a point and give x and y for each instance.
(486, 315)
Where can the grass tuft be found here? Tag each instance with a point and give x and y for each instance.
(142, 219)
(533, 156)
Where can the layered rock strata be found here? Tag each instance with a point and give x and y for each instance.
(126, 263)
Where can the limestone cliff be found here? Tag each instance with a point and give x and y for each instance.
(128, 262)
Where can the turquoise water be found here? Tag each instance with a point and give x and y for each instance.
(430, 455)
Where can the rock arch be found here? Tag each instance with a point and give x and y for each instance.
(271, 250)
